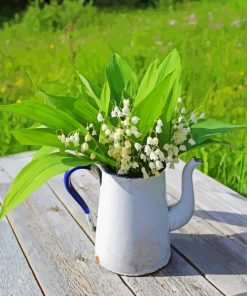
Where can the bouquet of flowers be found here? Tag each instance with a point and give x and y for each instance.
(133, 130)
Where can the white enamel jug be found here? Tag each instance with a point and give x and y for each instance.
(132, 234)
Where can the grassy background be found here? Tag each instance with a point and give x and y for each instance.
(43, 47)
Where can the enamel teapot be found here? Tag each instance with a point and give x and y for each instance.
(133, 224)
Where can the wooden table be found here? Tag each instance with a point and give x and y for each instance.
(46, 247)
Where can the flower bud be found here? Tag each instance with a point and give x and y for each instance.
(87, 138)
(84, 147)
(99, 117)
(135, 119)
(160, 123)
(138, 146)
(93, 155)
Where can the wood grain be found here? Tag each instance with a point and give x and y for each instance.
(213, 241)
(61, 255)
(178, 278)
(223, 208)
(16, 277)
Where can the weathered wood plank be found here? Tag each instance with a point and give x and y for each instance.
(212, 260)
(178, 278)
(163, 283)
(225, 209)
(16, 277)
(214, 240)
(61, 255)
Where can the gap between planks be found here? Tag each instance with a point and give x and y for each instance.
(132, 281)
(209, 227)
(91, 236)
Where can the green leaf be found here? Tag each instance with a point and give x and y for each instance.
(63, 103)
(148, 82)
(46, 115)
(44, 151)
(34, 175)
(120, 77)
(86, 112)
(105, 97)
(208, 142)
(90, 89)
(210, 128)
(151, 107)
(59, 102)
(38, 136)
(170, 64)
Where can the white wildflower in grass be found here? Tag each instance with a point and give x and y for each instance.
(183, 110)
(202, 116)
(193, 118)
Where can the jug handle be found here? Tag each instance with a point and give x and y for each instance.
(72, 191)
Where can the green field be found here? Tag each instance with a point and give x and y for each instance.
(43, 48)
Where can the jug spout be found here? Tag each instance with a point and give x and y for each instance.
(180, 213)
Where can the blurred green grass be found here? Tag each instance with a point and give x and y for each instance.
(42, 48)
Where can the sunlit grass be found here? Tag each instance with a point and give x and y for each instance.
(45, 48)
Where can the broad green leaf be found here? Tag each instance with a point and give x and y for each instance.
(44, 151)
(46, 115)
(63, 103)
(210, 128)
(90, 89)
(120, 77)
(38, 136)
(86, 112)
(105, 97)
(170, 64)
(34, 175)
(151, 107)
(208, 142)
(148, 82)
(59, 102)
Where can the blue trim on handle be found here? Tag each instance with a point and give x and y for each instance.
(70, 188)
